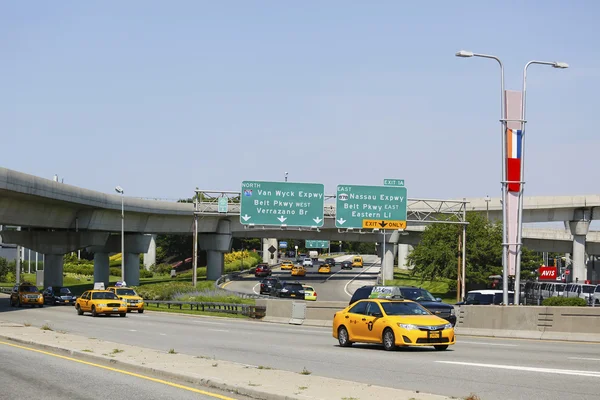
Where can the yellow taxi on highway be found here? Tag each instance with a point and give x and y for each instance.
(100, 302)
(287, 265)
(391, 321)
(324, 269)
(134, 300)
(298, 270)
(309, 293)
(27, 294)
(357, 262)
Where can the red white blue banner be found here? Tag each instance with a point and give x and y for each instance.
(513, 159)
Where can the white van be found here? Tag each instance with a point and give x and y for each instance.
(581, 290)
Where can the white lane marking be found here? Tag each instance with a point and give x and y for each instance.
(219, 330)
(132, 330)
(584, 358)
(359, 274)
(254, 289)
(491, 344)
(209, 322)
(162, 334)
(592, 374)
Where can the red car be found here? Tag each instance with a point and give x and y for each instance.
(262, 270)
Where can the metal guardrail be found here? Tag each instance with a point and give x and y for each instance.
(248, 310)
(6, 290)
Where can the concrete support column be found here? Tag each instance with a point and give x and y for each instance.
(53, 270)
(215, 261)
(150, 256)
(132, 268)
(218, 242)
(267, 243)
(101, 268)
(403, 252)
(579, 229)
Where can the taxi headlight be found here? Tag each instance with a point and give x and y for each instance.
(102, 305)
(448, 326)
(409, 327)
(124, 304)
(40, 296)
(452, 311)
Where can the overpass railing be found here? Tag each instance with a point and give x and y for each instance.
(417, 210)
(248, 310)
(6, 290)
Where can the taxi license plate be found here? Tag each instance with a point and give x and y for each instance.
(115, 309)
(293, 295)
(434, 335)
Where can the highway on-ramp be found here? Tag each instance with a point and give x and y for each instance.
(490, 368)
(336, 286)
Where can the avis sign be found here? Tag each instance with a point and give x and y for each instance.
(547, 273)
(282, 204)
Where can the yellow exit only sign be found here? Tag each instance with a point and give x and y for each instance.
(383, 224)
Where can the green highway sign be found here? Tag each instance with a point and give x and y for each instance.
(393, 182)
(370, 207)
(282, 203)
(316, 244)
(223, 204)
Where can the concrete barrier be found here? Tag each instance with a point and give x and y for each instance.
(524, 322)
(556, 323)
(318, 313)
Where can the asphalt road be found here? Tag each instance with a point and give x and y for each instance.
(337, 286)
(28, 374)
(490, 368)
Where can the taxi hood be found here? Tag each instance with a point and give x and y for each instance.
(421, 319)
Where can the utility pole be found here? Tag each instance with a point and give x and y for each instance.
(459, 293)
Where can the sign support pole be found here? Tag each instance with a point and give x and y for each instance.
(383, 260)
(195, 261)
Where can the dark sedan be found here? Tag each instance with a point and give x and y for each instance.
(346, 264)
(58, 295)
(330, 261)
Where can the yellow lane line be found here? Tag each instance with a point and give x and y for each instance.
(190, 389)
(225, 284)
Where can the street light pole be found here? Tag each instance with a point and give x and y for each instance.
(554, 64)
(467, 54)
(487, 207)
(120, 190)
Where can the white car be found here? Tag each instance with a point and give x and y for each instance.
(307, 262)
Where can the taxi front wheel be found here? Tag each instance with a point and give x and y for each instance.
(343, 337)
(389, 340)
(141, 310)
(441, 347)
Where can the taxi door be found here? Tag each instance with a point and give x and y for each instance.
(353, 320)
(85, 304)
(370, 328)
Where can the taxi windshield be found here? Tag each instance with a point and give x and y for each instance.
(403, 308)
(27, 288)
(103, 296)
(417, 294)
(126, 292)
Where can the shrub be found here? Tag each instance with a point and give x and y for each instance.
(165, 290)
(144, 273)
(565, 302)
(79, 269)
(115, 271)
(210, 295)
(4, 269)
(161, 269)
(10, 277)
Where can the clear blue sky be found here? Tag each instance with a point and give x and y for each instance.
(160, 97)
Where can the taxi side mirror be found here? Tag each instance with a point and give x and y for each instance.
(377, 314)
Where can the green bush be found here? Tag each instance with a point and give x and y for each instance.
(565, 302)
(79, 269)
(115, 271)
(10, 277)
(166, 290)
(144, 273)
(4, 269)
(161, 269)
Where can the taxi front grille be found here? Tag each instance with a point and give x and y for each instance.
(436, 340)
(113, 305)
(31, 296)
(431, 328)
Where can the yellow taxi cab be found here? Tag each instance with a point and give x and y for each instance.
(309, 293)
(357, 262)
(298, 270)
(287, 265)
(134, 300)
(391, 321)
(26, 293)
(100, 302)
(324, 269)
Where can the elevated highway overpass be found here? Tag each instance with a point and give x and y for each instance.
(59, 218)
